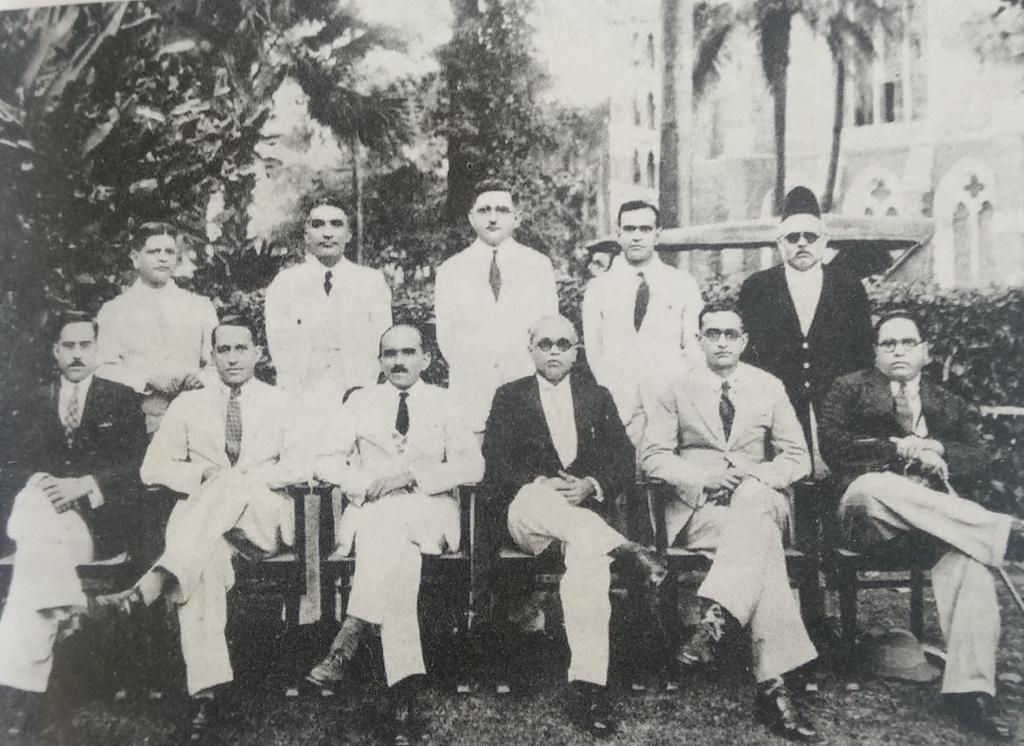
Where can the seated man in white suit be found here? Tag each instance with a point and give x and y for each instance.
(402, 448)
(221, 446)
(724, 435)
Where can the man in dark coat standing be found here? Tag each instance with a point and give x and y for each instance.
(556, 452)
(808, 323)
(82, 440)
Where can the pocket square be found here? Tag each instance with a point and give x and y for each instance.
(105, 424)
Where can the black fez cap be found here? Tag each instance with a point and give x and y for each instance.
(801, 201)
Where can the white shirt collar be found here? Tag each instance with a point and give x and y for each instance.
(225, 391)
(140, 286)
(913, 387)
(484, 248)
(83, 385)
(546, 385)
(412, 391)
(317, 267)
(810, 278)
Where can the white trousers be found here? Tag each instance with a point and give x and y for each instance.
(537, 516)
(391, 534)
(877, 507)
(748, 576)
(226, 515)
(44, 586)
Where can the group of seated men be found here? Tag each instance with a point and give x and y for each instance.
(549, 446)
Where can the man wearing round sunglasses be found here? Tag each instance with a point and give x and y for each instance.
(808, 323)
(556, 453)
(898, 444)
(325, 314)
(724, 437)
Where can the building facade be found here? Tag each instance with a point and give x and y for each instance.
(932, 128)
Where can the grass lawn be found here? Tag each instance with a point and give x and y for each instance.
(715, 709)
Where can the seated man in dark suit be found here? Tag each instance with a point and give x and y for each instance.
(555, 451)
(83, 439)
(894, 440)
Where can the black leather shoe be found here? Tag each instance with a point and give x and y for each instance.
(592, 711)
(779, 712)
(976, 712)
(704, 644)
(202, 716)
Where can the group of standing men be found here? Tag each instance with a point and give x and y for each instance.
(549, 446)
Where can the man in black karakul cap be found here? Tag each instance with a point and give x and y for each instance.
(808, 323)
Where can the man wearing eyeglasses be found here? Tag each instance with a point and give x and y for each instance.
(898, 443)
(325, 315)
(640, 316)
(725, 437)
(808, 323)
(556, 453)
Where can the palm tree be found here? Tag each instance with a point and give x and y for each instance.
(846, 25)
(847, 29)
(375, 121)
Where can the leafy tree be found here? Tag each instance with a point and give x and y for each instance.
(487, 110)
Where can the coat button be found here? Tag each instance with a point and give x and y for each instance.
(806, 366)
(805, 345)
(807, 384)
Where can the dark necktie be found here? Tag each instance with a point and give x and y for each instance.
(402, 418)
(327, 282)
(233, 428)
(643, 297)
(901, 408)
(726, 410)
(73, 415)
(494, 276)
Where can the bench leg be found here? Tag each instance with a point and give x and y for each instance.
(917, 603)
(847, 587)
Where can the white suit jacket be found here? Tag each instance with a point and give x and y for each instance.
(622, 358)
(485, 341)
(145, 331)
(326, 343)
(191, 438)
(440, 450)
(684, 442)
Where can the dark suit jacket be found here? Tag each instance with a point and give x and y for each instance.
(859, 418)
(108, 445)
(518, 448)
(839, 340)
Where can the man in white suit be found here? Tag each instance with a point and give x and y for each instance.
(726, 438)
(485, 299)
(155, 336)
(220, 446)
(640, 316)
(401, 450)
(324, 316)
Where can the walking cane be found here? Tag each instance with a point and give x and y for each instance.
(1014, 593)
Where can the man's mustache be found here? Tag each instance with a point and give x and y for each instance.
(399, 369)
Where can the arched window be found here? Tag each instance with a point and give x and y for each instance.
(652, 114)
(650, 51)
(636, 168)
(875, 191)
(636, 113)
(652, 174)
(966, 223)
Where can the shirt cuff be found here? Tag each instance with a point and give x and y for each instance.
(598, 492)
(91, 490)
